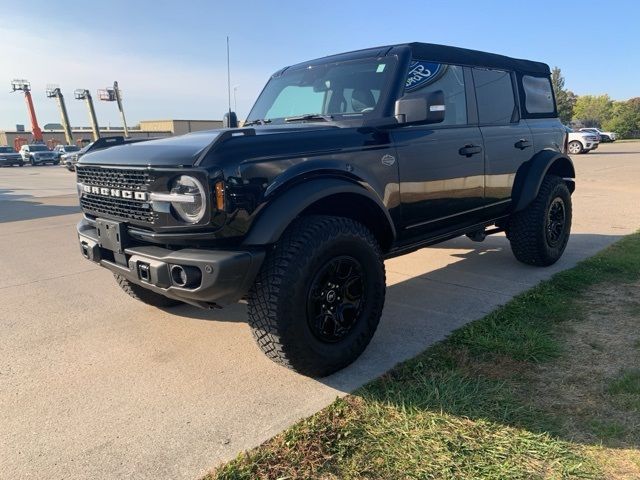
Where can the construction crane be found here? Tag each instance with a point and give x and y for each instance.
(53, 91)
(25, 86)
(83, 94)
(114, 95)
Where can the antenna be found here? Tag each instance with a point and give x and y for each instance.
(228, 76)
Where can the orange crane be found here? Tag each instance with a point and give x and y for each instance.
(25, 87)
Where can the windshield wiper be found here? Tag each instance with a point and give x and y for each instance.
(259, 121)
(309, 116)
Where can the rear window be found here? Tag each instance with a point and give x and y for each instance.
(538, 94)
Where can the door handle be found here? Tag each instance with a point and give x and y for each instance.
(469, 150)
(522, 144)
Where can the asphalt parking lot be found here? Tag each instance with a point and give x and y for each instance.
(96, 385)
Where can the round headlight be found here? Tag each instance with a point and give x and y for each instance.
(191, 207)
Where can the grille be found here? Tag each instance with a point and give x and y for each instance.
(124, 179)
(114, 177)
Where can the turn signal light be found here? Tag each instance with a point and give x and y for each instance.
(219, 188)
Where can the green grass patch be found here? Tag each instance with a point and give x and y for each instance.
(464, 408)
(627, 382)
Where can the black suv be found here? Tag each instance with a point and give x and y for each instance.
(343, 161)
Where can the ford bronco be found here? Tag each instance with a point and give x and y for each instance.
(342, 162)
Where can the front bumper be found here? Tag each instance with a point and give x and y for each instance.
(225, 275)
(10, 161)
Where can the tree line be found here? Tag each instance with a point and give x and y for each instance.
(621, 117)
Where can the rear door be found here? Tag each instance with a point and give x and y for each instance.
(440, 181)
(508, 141)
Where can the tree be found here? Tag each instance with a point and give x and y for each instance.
(565, 99)
(593, 110)
(625, 117)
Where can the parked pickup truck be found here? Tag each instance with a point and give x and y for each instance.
(343, 161)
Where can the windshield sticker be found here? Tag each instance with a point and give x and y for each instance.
(422, 74)
(380, 68)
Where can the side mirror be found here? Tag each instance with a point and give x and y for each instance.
(429, 109)
(230, 120)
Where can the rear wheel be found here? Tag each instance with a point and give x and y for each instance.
(318, 298)
(144, 295)
(539, 233)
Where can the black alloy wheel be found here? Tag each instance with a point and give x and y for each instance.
(556, 221)
(335, 299)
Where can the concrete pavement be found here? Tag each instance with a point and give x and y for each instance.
(95, 384)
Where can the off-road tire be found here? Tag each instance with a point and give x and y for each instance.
(144, 295)
(527, 229)
(278, 300)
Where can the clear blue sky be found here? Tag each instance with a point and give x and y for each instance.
(169, 56)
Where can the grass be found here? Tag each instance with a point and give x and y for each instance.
(522, 393)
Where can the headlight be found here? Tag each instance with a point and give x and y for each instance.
(188, 198)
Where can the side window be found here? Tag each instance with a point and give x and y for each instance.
(426, 77)
(538, 94)
(494, 93)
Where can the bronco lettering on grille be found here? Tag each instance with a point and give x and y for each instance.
(115, 192)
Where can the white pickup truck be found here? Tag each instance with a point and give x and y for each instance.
(581, 142)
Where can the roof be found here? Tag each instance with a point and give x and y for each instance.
(441, 54)
(464, 56)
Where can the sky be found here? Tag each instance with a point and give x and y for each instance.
(169, 57)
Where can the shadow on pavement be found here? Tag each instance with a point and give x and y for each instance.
(17, 207)
(428, 306)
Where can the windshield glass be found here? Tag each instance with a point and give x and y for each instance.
(345, 89)
(85, 148)
(71, 148)
(6, 150)
(38, 148)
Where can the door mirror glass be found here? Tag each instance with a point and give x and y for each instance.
(422, 109)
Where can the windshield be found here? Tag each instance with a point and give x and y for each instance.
(85, 148)
(6, 150)
(345, 89)
(71, 148)
(38, 148)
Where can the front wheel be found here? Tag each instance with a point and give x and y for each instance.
(539, 233)
(318, 298)
(575, 147)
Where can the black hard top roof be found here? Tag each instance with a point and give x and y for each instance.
(445, 54)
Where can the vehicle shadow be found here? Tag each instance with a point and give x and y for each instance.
(15, 207)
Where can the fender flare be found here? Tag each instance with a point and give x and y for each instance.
(531, 173)
(276, 216)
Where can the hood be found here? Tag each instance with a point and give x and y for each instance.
(183, 150)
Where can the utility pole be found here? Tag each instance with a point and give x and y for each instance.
(115, 95)
(83, 94)
(25, 86)
(53, 91)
